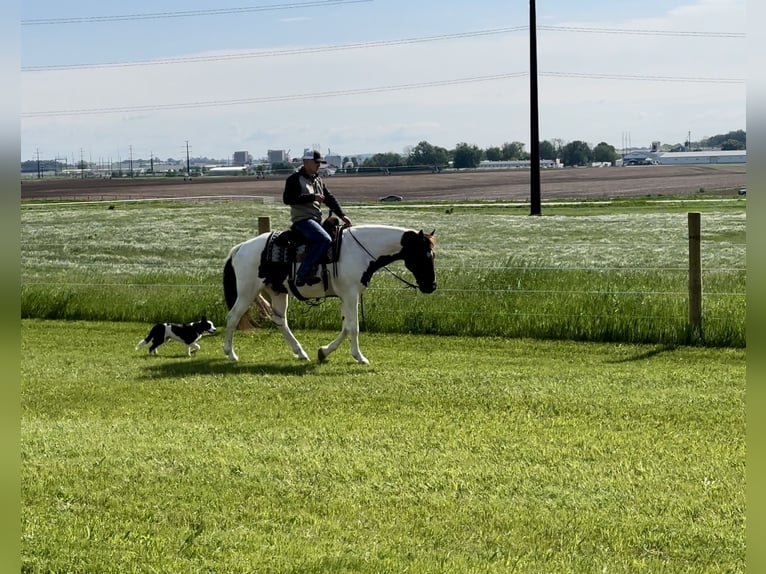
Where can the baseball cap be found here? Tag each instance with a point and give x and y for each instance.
(315, 155)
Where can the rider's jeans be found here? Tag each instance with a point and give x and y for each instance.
(319, 242)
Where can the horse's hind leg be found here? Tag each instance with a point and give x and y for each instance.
(279, 309)
(245, 296)
(232, 322)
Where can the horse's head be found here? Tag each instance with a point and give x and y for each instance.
(418, 254)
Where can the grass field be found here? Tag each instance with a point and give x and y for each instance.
(483, 437)
(448, 454)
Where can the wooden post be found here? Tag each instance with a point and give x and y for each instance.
(695, 274)
(264, 225)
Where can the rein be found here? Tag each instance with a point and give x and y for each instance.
(380, 263)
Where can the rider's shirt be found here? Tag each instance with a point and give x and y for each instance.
(300, 189)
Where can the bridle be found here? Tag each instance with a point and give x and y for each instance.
(380, 263)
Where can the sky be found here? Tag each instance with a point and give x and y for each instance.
(108, 82)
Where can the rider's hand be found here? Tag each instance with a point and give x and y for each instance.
(346, 221)
(318, 198)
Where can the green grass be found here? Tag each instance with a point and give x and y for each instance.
(447, 454)
(599, 271)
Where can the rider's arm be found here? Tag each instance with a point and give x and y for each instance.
(332, 203)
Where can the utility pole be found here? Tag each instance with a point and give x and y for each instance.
(39, 172)
(82, 165)
(534, 146)
(130, 151)
(188, 165)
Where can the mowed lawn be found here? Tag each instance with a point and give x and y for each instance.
(446, 454)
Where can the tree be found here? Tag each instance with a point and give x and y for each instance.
(514, 150)
(389, 159)
(426, 154)
(282, 167)
(467, 156)
(547, 150)
(720, 139)
(576, 153)
(604, 152)
(732, 144)
(558, 145)
(493, 153)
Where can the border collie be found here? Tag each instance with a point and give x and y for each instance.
(187, 334)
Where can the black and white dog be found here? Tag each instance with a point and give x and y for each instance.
(187, 334)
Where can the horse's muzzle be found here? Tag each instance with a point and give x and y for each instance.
(427, 288)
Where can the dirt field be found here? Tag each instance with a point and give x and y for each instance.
(495, 185)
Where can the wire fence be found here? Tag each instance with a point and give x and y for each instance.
(605, 277)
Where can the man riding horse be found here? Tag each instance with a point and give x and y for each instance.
(305, 192)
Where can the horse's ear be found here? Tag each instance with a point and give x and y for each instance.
(433, 232)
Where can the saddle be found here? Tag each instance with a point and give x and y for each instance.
(285, 250)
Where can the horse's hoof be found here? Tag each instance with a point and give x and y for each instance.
(321, 355)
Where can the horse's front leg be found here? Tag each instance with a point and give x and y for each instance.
(279, 307)
(349, 311)
(352, 326)
(323, 352)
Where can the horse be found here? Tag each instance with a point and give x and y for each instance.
(363, 250)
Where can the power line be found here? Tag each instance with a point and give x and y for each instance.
(367, 45)
(642, 32)
(645, 78)
(351, 92)
(184, 14)
(268, 99)
(286, 52)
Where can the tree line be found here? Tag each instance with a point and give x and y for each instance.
(427, 156)
(574, 153)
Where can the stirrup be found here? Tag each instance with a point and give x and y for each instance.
(301, 281)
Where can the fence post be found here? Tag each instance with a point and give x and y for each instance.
(264, 225)
(695, 274)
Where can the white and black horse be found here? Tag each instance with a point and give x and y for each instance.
(363, 250)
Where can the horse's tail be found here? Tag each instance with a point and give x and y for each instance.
(229, 282)
(230, 294)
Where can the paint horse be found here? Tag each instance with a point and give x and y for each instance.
(364, 249)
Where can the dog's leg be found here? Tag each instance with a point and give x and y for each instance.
(155, 343)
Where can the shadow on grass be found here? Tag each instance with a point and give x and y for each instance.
(186, 367)
(647, 354)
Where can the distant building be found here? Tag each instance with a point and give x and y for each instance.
(645, 157)
(242, 158)
(516, 164)
(334, 160)
(697, 157)
(228, 170)
(277, 156)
